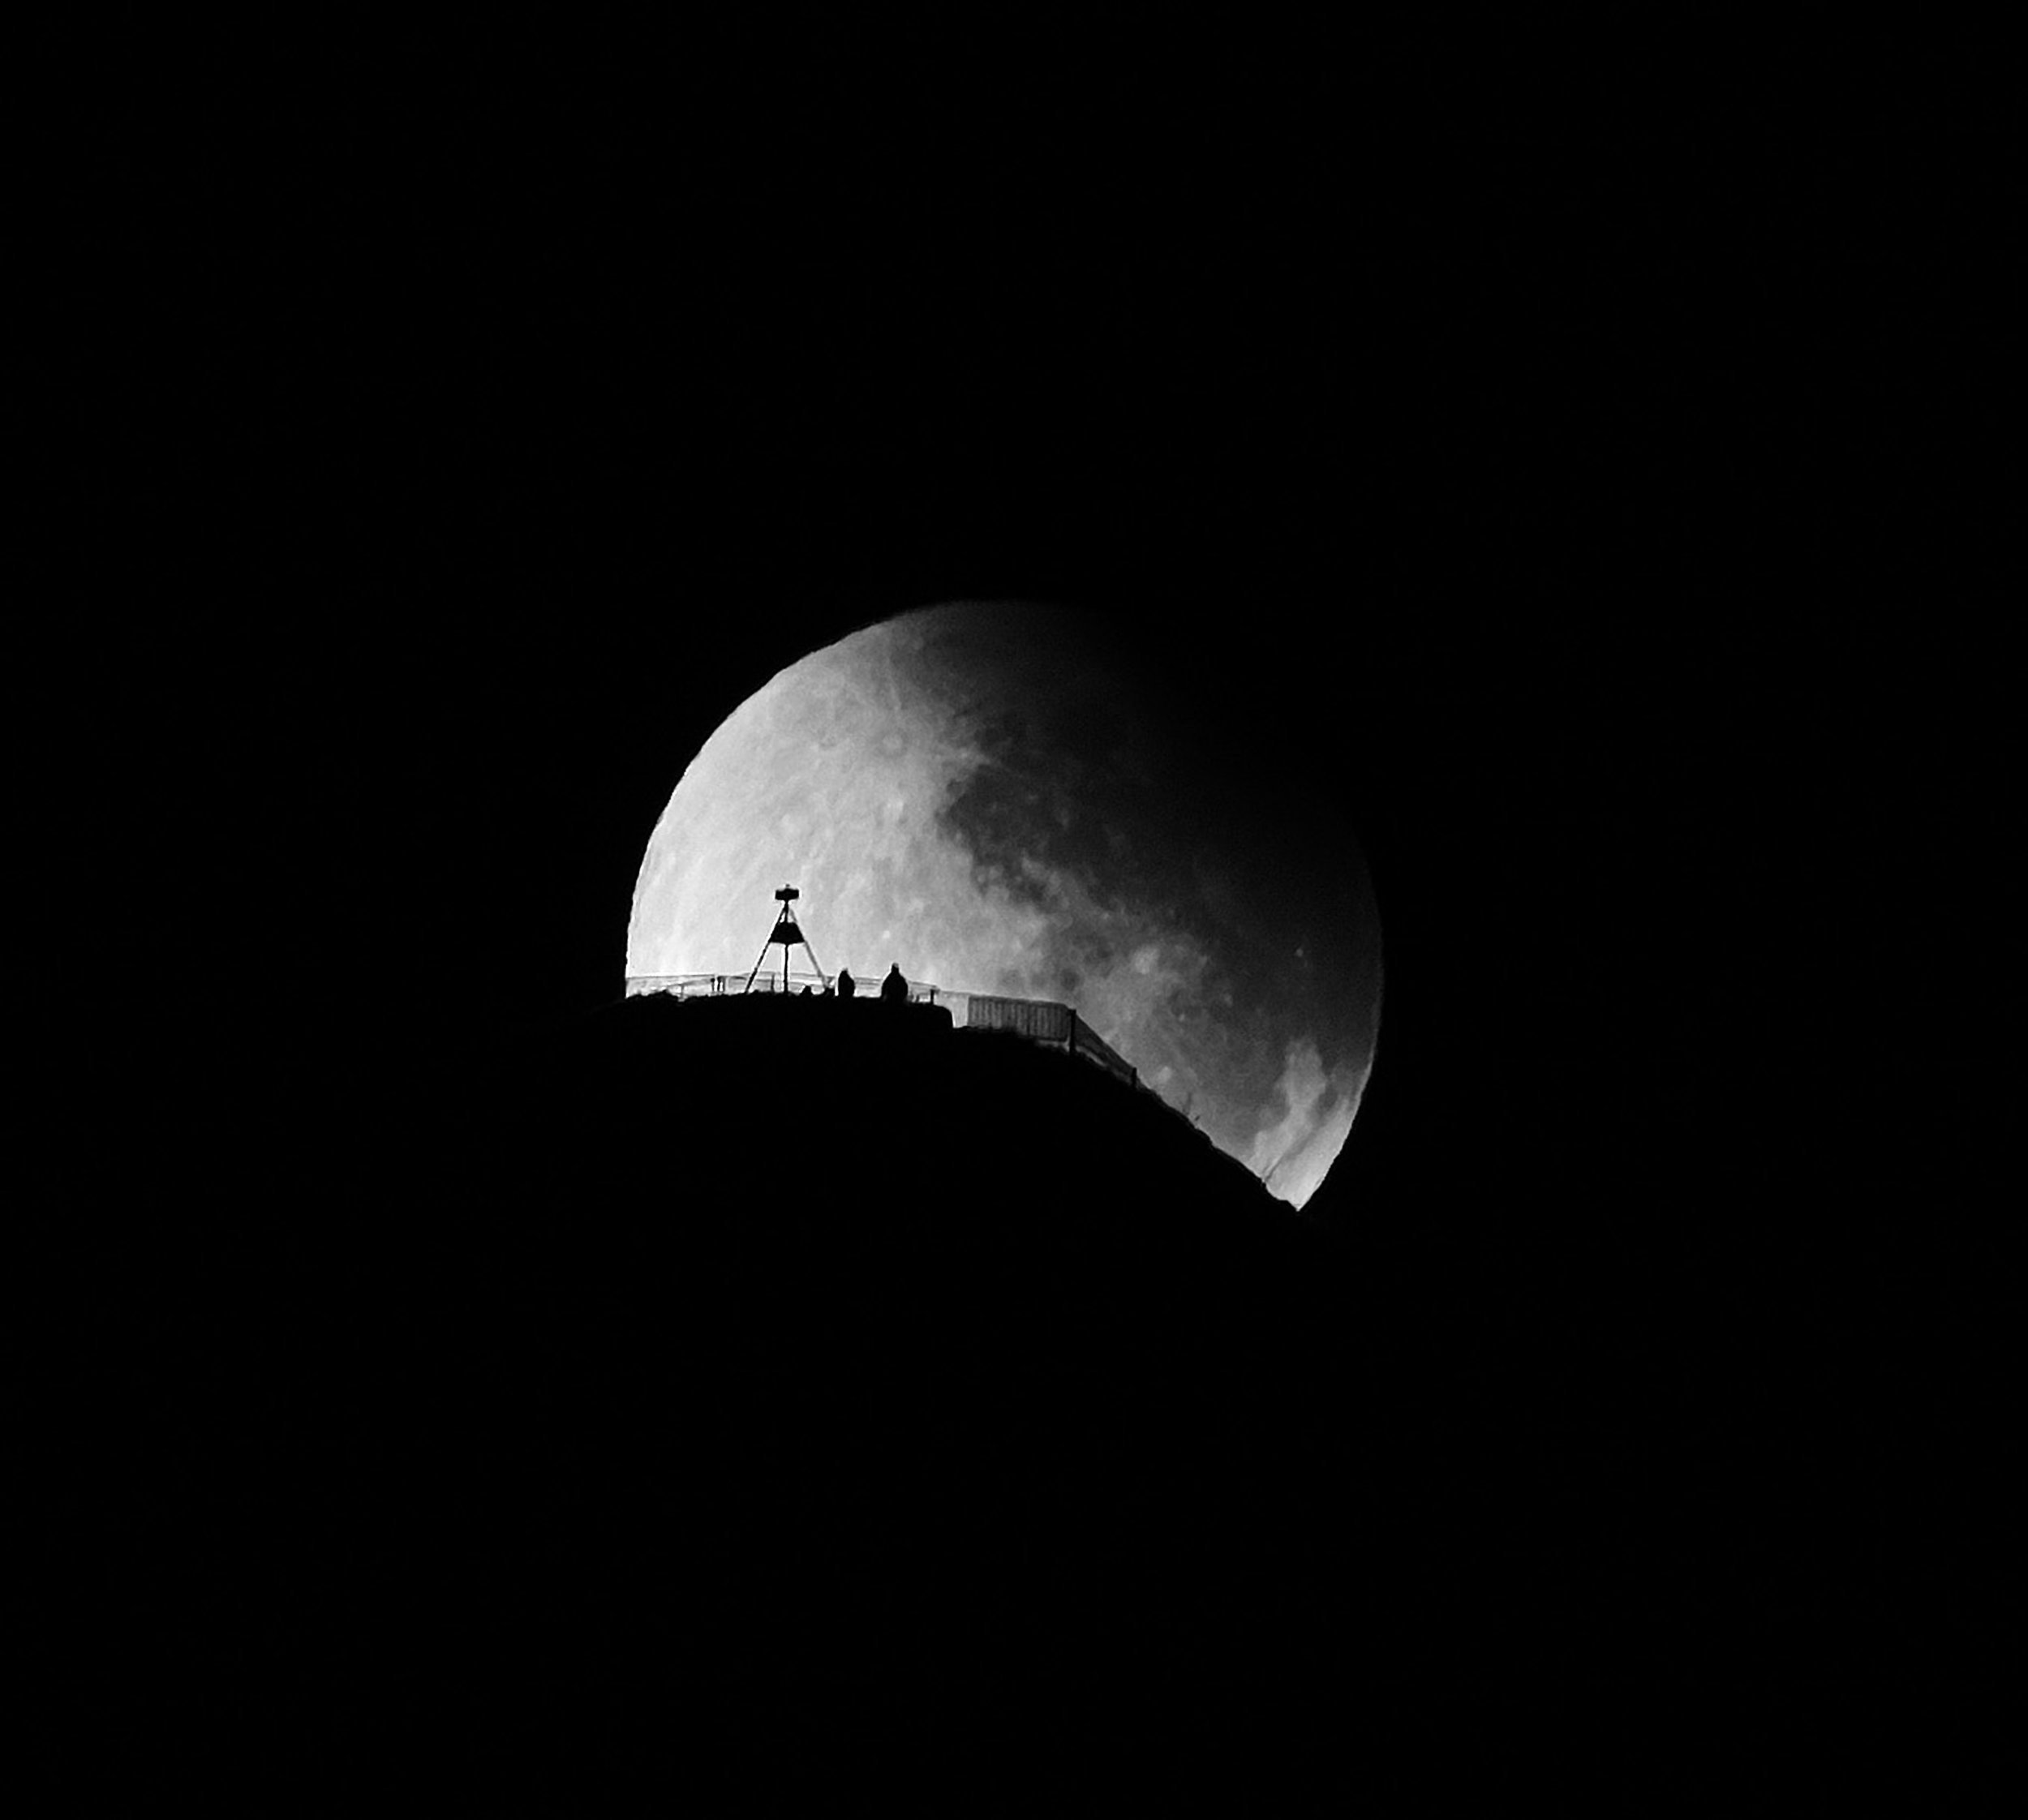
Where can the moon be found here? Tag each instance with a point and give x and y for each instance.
(1006, 798)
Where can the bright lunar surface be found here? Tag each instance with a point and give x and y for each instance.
(1001, 799)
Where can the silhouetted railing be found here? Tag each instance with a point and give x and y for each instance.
(733, 985)
(1042, 1021)
(1045, 1021)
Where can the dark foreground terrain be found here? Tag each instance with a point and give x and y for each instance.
(740, 1403)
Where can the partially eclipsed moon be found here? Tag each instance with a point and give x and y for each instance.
(998, 798)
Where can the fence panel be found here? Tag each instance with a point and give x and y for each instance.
(1040, 1019)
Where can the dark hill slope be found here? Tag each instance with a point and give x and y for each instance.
(854, 1379)
(739, 1395)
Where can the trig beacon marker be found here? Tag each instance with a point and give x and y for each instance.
(786, 931)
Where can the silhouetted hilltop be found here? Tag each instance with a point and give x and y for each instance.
(824, 1397)
(778, 1397)
(814, 1394)
(969, 1406)
(828, 1116)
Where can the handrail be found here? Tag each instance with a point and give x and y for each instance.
(734, 985)
(982, 1010)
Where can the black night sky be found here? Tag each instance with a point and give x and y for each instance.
(1591, 480)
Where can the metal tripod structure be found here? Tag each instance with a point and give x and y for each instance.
(788, 935)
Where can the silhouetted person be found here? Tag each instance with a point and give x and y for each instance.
(847, 986)
(894, 990)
